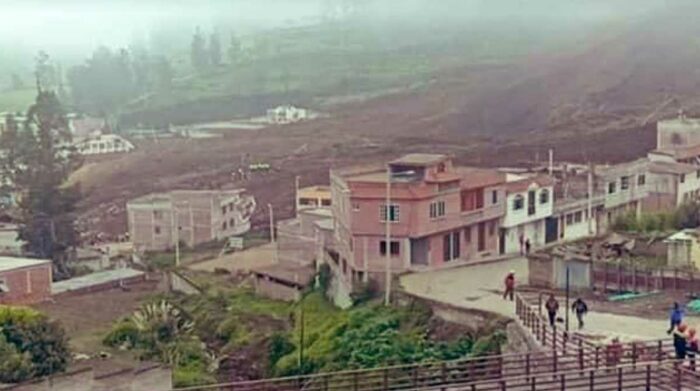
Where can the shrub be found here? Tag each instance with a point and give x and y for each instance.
(14, 365)
(123, 333)
(366, 292)
(278, 346)
(34, 335)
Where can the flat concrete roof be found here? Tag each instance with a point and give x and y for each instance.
(92, 279)
(12, 263)
(420, 159)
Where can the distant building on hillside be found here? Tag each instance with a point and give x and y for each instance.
(286, 114)
(24, 280)
(678, 139)
(313, 197)
(10, 244)
(683, 249)
(104, 144)
(193, 217)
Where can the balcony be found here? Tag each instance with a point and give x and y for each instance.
(482, 214)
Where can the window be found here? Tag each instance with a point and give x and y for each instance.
(394, 247)
(355, 206)
(224, 226)
(578, 217)
(223, 210)
(682, 178)
(642, 180)
(326, 202)
(611, 188)
(472, 199)
(450, 246)
(441, 167)
(307, 201)
(531, 203)
(518, 202)
(494, 197)
(624, 183)
(437, 209)
(569, 219)
(393, 213)
(544, 196)
(467, 234)
(231, 223)
(157, 214)
(156, 229)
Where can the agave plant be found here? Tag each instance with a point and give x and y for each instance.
(162, 322)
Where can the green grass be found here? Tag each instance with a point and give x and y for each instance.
(19, 100)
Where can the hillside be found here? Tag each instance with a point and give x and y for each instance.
(595, 101)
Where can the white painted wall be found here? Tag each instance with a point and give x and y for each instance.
(518, 217)
(691, 187)
(578, 230)
(533, 230)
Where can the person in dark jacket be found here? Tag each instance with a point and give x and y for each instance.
(552, 306)
(676, 317)
(580, 309)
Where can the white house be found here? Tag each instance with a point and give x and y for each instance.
(529, 202)
(286, 114)
(104, 143)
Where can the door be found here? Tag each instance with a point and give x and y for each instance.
(502, 241)
(481, 237)
(531, 202)
(551, 231)
(419, 251)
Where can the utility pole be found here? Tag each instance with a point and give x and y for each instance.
(301, 327)
(589, 201)
(272, 232)
(568, 290)
(296, 194)
(176, 220)
(551, 161)
(387, 245)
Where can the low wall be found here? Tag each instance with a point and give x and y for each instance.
(123, 282)
(615, 277)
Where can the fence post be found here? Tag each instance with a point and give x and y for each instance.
(564, 340)
(386, 379)
(443, 369)
(563, 382)
(554, 361)
(355, 378)
(415, 376)
(634, 355)
(527, 364)
(605, 276)
(619, 379)
(675, 279)
(597, 357)
(619, 277)
(648, 380)
(325, 382)
(533, 384)
(503, 385)
(679, 377)
(580, 354)
(634, 279)
(660, 351)
(591, 380)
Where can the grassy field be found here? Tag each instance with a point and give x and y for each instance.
(18, 100)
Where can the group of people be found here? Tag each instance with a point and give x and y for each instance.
(685, 340)
(579, 307)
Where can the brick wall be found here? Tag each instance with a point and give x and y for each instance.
(27, 285)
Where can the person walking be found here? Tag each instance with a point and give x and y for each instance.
(527, 246)
(692, 349)
(552, 306)
(680, 341)
(580, 308)
(676, 317)
(522, 244)
(509, 283)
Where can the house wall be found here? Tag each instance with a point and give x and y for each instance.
(677, 132)
(515, 217)
(150, 227)
(274, 290)
(679, 253)
(689, 189)
(634, 192)
(574, 228)
(27, 285)
(533, 230)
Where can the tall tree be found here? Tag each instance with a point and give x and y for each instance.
(215, 49)
(38, 170)
(234, 49)
(198, 51)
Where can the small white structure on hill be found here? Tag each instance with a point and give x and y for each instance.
(287, 114)
(104, 143)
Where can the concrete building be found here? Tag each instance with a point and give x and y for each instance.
(679, 139)
(103, 144)
(10, 244)
(313, 197)
(199, 215)
(528, 211)
(24, 280)
(625, 186)
(683, 249)
(438, 214)
(297, 238)
(671, 184)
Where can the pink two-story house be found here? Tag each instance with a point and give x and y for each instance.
(438, 214)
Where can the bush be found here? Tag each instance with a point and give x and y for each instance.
(366, 292)
(278, 346)
(34, 335)
(14, 365)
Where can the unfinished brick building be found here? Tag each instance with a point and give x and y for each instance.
(24, 280)
(158, 221)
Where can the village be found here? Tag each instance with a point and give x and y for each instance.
(622, 236)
